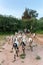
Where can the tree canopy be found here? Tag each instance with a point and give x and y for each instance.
(29, 20)
(29, 13)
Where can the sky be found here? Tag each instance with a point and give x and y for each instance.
(17, 7)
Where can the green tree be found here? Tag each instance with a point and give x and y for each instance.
(29, 13)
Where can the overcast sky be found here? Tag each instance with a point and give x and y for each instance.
(17, 7)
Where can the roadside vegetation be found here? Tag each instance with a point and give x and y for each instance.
(29, 20)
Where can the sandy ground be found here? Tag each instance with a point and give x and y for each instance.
(6, 57)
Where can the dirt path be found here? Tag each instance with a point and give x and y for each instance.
(39, 39)
(6, 57)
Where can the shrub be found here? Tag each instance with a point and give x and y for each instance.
(22, 56)
(38, 57)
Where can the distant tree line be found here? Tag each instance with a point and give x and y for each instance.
(29, 20)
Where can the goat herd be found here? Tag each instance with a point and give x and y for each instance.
(20, 40)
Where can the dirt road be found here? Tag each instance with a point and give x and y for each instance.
(6, 57)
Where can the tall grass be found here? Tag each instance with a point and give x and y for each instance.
(39, 31)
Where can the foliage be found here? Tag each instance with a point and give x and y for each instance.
(22, 56)
(9, 24)
(38, 57)
(29, 13)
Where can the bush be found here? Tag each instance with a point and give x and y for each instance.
(22, 56)
(38, 57)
